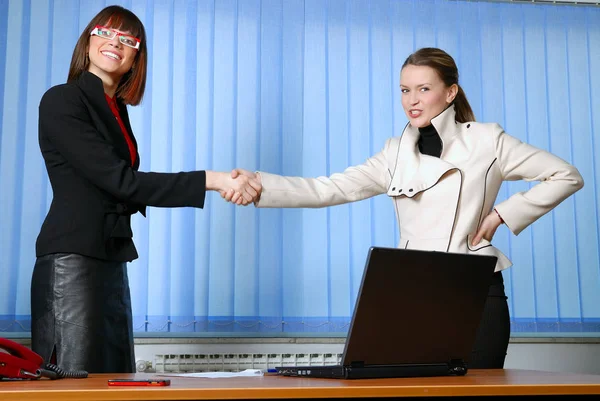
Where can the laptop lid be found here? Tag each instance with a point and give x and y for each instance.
(417, 307)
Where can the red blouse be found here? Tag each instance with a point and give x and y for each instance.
(112, 103)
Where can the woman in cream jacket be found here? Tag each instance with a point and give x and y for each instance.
(443, 175)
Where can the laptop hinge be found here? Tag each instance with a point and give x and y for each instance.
(357, 364)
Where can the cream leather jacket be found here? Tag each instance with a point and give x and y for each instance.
(440, 202)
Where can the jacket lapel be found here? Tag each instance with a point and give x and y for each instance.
(91, 85)
(419, 172)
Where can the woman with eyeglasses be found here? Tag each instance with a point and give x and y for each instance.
(80, 302)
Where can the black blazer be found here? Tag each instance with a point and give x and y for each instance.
(96, 190)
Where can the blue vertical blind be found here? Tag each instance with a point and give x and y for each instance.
(307, 88)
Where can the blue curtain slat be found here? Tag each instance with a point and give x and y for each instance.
(269, 158)
(3, 56)
(32, 164)
(381, 113)
(448, 37)
(402, 45)
(559, 112)
(424, 33)
(315, 159)
(469, 56)
(515, 105)
(292, 117)
(221, 269)
(204, 155)
(182, 227)
(593, 35)
(542, 239)
(246, 263)
(359, 136)
(337, 110)
(13, 149)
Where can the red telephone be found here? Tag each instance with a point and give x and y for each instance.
(19, 362)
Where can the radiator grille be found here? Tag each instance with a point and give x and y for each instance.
(189, 363)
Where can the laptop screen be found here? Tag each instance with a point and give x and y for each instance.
(417, 307)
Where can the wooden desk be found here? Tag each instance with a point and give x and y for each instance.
(475, 383)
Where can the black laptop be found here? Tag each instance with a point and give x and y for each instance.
(416, 314)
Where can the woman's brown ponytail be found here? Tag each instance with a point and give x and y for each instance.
(463, 109)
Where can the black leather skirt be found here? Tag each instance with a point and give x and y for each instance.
(81, 313)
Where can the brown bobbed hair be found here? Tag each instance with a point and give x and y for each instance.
(446, 68)
(133, 83)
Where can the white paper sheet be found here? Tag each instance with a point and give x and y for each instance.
(217, 375)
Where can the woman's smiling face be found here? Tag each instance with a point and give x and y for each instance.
(110, 57)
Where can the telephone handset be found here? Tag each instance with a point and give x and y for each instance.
(19, 362)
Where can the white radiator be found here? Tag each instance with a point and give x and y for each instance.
(177, 355)
(182, 363)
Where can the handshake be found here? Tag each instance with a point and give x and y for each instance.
(240, 187)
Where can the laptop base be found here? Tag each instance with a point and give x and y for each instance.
(375, 372)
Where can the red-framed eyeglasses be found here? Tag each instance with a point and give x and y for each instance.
(109, 34)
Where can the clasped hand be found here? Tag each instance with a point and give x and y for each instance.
(244, 189)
